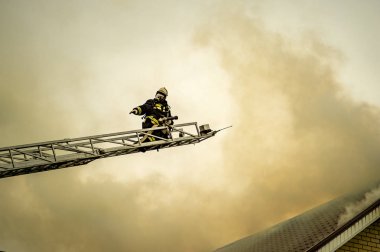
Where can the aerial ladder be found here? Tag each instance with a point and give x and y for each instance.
(69, 152)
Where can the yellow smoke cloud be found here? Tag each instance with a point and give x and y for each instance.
(299, 138)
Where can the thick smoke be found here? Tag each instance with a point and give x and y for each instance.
(298, 140)
(355, 208)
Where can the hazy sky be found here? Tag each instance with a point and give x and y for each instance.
(298, 80)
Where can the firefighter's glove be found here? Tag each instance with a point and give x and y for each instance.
(165, 121)
(134, 111)
(162, 119)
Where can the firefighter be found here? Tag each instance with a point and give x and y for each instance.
(154, 112)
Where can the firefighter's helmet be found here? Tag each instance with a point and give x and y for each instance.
(163, 91)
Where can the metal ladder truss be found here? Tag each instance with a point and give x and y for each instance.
(44, 156)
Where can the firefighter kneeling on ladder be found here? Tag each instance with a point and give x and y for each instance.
(155, 113)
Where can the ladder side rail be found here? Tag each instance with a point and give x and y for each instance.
(80, 157)
(141, 132)
(89, 145)
(93, 141)
(67, 140)
(69, 148)
(56, 157)
(42, 148)
(100, 139)
(39, 153)
(5, 161)
(131, 132)
(114, 141)
(14, 156)
(39, 150)
(26, 152)
(84, 138)
(29, 154)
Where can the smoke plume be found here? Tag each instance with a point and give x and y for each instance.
(355, 208)
(298, 139)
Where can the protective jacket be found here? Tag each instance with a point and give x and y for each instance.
(153, 110)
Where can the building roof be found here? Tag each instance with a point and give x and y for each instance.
(311, 230)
